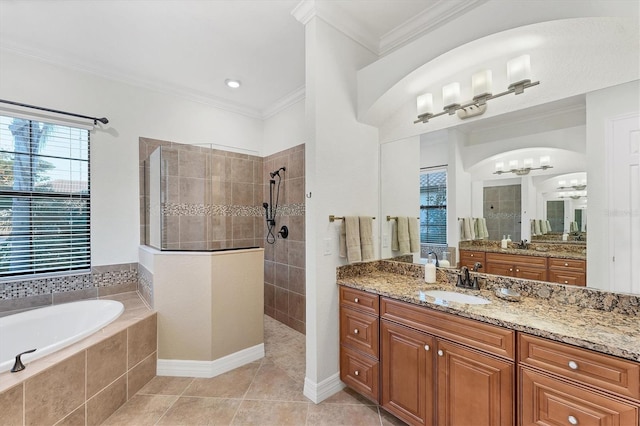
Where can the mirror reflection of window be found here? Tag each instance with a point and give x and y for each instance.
(433, 210)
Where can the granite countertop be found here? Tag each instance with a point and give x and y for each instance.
(612, 333)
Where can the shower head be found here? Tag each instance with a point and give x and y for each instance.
(277, 172)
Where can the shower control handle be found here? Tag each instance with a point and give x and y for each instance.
(18, 365)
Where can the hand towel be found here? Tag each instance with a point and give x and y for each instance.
(476, 229)
(543, 227)
(536, 224)
(366, 238)
(472, 232)
(394, 236)
(414, 235)
(404, 246)
(548, 226)
(342, 241)
(352, 232)
(482, 225)
(533, 226)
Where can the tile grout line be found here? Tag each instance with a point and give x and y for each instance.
(174, 402)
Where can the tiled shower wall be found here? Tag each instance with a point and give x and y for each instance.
(284, 264)
(230, 214)
(213, 198)
(502, 210)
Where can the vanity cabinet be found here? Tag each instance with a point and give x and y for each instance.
(518, 266)
(563, 384)
(469, 258)
(438, 368)
(359, 341)
(568, 271)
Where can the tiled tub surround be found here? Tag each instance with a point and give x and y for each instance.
(20, 294)
(601, 321)
(86, 382)
(284, 265)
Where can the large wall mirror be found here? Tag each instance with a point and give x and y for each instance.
(578, 194)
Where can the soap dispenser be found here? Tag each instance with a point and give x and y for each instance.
(430, 270)
(503, 243)
(444, 262)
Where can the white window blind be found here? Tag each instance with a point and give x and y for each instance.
(44, 197)
(433, 207)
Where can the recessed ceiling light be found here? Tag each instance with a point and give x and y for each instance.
(234, 84)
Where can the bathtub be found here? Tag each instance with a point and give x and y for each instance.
(52, 328)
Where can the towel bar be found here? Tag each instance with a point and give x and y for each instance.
(394, 218)
(333, 218)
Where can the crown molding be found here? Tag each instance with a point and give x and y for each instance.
(164, 88)
(426, 21)
(304, 11)
(284, 103)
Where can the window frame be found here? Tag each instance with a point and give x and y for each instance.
(426, 208)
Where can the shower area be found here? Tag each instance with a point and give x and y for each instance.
(200, 198)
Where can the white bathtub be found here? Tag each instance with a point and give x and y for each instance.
(52, 328)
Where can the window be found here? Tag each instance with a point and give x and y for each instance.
(44, 197)
(433, 207)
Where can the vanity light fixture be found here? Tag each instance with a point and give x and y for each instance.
(573, 184)
(574, 195)
(518, 75)
(234, 84)
(527, 166)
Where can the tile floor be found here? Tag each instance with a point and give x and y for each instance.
(265, 392)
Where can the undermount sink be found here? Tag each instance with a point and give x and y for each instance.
(443, 297)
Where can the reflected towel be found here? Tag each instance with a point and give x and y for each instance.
(533, 226)
(472, 232)
(483, 233)
(414, 235)
(536, 224)
(366, 238)
(543, 226)
(548, 227)
(404, 246)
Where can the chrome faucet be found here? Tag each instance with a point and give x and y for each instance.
(523, 244)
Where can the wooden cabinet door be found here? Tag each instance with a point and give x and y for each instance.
(567, 277)
(469, 258)
(530, 273)
(547, 401)
(473, 388)
(499, 269)
(407, 373)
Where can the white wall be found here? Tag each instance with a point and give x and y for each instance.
(133, 112)
(342, 175)
(284, 130)
(399, 187)
(602, 106)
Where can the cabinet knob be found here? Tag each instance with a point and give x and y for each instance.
(440, 352)
(356, 331)
(472, 255)
(356, 300)
(510, 269)
(573, 420)
(566, 282)
(573, 365)
(517, 270)
(566, 264)
(426, 348)
(357, 373)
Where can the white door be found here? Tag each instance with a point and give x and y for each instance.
(624, 213)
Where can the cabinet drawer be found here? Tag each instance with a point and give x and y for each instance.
(360, 300)
(360, 331)
(547, 401)
(589, 367)
(517, 260)
(469, 257)
(577, 265)
(489, 338)
(568, 277)
(360, 373)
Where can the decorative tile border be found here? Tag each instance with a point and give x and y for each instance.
(183, 209)
(101, 276)
(145, 284)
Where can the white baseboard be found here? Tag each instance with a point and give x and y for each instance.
(208, 369)
(318, 392)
